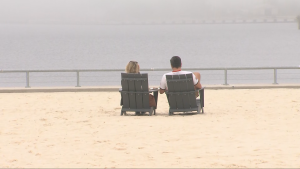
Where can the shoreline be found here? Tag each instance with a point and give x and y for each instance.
(116, 88)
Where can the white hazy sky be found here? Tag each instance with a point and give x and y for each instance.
(16, 10)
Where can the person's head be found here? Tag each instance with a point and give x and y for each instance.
(132, 67)
(175, 62)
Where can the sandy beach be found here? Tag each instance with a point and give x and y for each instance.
(241, 128)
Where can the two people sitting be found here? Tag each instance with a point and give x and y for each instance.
(133, 67)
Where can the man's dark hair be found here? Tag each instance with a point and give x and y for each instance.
(175, 62)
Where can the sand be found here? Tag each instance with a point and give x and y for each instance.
(240, 128)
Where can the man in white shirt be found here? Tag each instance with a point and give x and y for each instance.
(176, 67)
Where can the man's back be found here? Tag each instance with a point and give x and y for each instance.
(176, 67)
(163, 83)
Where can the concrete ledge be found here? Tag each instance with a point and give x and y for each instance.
(116, 88)
(253, 86)
(59, 89)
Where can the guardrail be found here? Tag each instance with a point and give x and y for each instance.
(78, 71)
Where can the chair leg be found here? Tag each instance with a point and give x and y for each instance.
(154, 112)
(123, 112)
(170, 113)
(137, 113)
(202, 110)
(151, 111)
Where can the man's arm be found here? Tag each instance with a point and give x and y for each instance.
(198, 85)
(197, 77)
(163, 84)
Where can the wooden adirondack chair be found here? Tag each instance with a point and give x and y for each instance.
(181, 94)
(135, 94)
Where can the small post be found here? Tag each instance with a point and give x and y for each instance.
(298, 20)
(275, 76)
(225, 74)
(27, 80)
(78, 80)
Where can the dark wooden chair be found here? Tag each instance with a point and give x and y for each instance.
(181, 94)
(135, 94)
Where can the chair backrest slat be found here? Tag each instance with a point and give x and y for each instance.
(170, 83)
(131, 87)
(171, 97)
(146, 100)
(124, 82)
(145, 87)
(192, 99)
(190, 87)
(182, 83)
(137, 83)
(178, 87)
(189, 82)
(125, 96)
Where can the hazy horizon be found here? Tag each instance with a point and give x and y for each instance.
(66, 11)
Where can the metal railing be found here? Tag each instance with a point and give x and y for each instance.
(78, 71)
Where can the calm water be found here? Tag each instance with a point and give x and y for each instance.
(97, 47)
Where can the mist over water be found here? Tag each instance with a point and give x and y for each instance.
(93, 47)
(111, 47)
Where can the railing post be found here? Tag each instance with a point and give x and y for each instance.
(78, 84)
(298, 20)
(225, 78)
(27, 80)
(275, 76)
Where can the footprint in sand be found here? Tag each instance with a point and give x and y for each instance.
(85, 121)
(97, 142)
(257, 161)
(122, 144)
(17, 142)
(235, 166)
(119, 148)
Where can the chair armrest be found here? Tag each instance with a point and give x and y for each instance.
(135, 92)
(149, 91)
(200, 89)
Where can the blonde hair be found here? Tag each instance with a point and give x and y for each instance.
(132, 67)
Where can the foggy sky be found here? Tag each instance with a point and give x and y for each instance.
(118, 10)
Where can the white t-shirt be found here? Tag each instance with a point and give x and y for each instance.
(163, 82)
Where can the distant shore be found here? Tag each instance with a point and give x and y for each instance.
(283, 19)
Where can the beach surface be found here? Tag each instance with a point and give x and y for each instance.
(241, 128)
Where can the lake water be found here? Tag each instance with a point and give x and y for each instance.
(42, 47)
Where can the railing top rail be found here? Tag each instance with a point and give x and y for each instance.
(147, 69)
